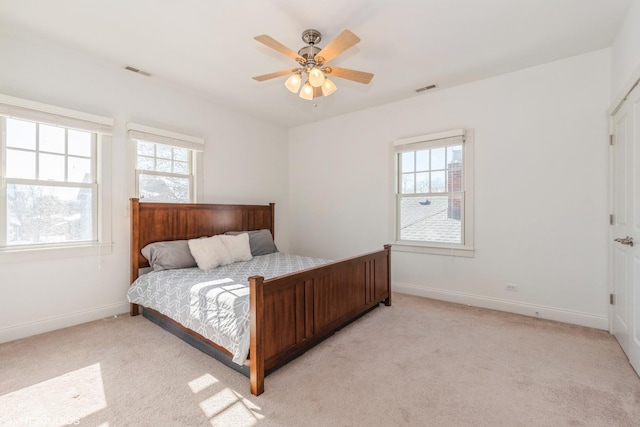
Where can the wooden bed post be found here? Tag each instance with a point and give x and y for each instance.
(256, 349)
(135, 227)
(387, 301)
(273, 220)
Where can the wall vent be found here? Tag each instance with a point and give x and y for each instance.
(422, 89)
(136, 70)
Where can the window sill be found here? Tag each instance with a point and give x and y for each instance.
(461, 251)
(14, 255)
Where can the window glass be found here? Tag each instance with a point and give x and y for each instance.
(51, 184)
(164, 173)
(422, 182)
(431, 192)
(163, 165)
(181, 167)
(437, 181)
(422, 160)
(408, 161)
(48, 214)
(146, 163)
(79, 143)
(52, 139)
(163, 151)
(21, 134)
(437, 158)
(79, 169)
(158, 188)
(146, 148)
(432, 219)
(181, 154)
(21, 164)
(51, 167)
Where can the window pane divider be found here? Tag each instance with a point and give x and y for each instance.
(21, 181)
(439, 194)
(156, 173)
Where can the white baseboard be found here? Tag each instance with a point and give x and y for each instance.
(543, 312)
(63, 321)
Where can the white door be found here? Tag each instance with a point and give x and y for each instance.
(625, 244)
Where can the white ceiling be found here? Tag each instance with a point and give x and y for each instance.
(208, 45)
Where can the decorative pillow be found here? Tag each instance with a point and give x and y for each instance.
(168, 255)
(238, 246)
(260, 241)
(209, 252)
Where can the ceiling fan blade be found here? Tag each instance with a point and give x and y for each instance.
(344, 41)
(276, 45)
(274, 75)
(345, 73)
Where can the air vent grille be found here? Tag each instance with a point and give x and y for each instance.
(138, 71)
(422, 89)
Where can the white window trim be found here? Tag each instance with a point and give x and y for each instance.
(50, 114)
(162, 136)
(137, 132)
(409, 144)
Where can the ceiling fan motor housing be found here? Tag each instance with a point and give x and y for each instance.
(309, 52)
(311, 36)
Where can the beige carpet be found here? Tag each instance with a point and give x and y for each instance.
(417, 363)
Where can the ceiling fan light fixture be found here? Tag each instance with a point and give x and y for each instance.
(328, 87)
(313, 64)
(293, 82)
(316, 77)
(307, 92)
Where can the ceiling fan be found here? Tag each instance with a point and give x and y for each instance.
(313, 64)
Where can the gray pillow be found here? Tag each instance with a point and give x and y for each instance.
(169, 255)
(260, 241)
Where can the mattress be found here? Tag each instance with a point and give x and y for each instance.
(214, 303)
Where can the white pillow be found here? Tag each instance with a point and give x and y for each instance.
(238, 246)
(209, 252)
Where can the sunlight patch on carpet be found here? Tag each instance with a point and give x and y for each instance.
(63, 400)
(224, 407)
(199, 384)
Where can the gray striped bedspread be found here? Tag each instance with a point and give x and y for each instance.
(214, 303)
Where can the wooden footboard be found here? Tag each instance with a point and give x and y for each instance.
(290, 314)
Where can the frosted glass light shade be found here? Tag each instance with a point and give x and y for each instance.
(307, 92)
(293, 83)
(328, 87)
(316, 77)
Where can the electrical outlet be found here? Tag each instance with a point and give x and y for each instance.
(511, 287)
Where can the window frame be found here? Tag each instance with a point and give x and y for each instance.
(101, 131)
(142, 133)
(430, 141)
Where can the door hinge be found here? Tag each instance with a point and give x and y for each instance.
(611, 139)
(611, 299)
(611, 219)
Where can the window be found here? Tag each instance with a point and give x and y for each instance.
(50, 159)
(434, 200)
(164, 173)
(166, 165)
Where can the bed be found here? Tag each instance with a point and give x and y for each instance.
(287, 314)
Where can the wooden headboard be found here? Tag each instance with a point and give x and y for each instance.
(156, 222)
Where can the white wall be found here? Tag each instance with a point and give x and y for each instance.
(625, 52)
(245, 161)
(541, 189)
